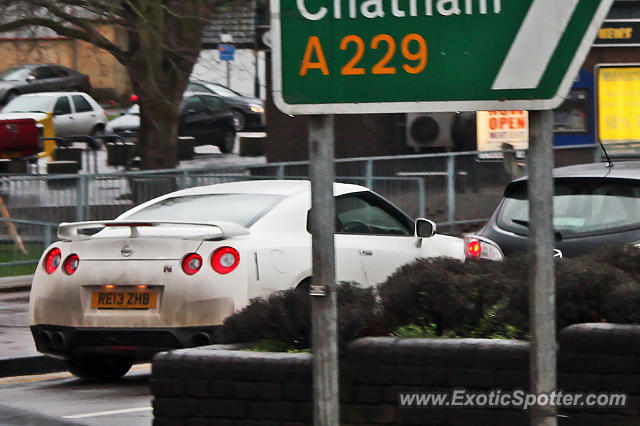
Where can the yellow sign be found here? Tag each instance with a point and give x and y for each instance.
(619, 104)
(496, 128)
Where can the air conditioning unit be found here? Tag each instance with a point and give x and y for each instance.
(429, 130)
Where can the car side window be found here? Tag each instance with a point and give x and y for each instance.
(62, 106)
(58, 72)
(360, 215)
(81, 104)
(194, 105)
(213, 102)
(41, 73)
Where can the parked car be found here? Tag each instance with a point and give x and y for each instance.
(205, 116)
(593, 205)
(41, 78)
(166, 273)
(248, 112)
(74, 113)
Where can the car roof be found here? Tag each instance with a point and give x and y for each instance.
(619, 170)
(54, 93)
(279, 187)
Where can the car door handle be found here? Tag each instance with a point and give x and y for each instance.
(365, 252)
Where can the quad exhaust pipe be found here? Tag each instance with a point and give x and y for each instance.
(58, 341)
(201, 339)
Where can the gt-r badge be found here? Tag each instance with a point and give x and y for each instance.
(126, 251)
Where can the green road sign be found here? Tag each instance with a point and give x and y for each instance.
(357, 56)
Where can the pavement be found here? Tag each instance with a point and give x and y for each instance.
(18, 354)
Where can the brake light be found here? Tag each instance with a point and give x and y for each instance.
(473, 249)
(476, 247)
(191, 263)
(71, 264)
(225, 260)
(52, 260)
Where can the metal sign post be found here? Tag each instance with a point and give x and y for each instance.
(327, 57)
(542, 365)
(324, 314)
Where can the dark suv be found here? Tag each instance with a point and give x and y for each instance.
(593, 205)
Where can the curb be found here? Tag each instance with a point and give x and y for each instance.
(28, 365)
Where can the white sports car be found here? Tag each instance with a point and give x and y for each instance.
(167, 273)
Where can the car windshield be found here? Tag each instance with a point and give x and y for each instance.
(221, 90)
(15, 74)
(30, 104)
(134, 110)
(243, 209)
(580, 206)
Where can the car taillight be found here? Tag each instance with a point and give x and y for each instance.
(473, 249)
(52, 260)
(225, 260)
(191, 263)
(71, 264)
(476, 247)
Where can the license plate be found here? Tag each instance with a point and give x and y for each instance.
(124, 299)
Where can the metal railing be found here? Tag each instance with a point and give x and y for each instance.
(457, 190)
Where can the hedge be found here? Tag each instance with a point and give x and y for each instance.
(447, 297)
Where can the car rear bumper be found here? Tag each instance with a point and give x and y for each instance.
(138, 343)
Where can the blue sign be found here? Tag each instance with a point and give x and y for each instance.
(227, 52)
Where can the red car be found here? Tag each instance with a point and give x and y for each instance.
(19, 138)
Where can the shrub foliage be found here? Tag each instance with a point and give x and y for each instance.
(445, 297)
(489, 299)
(286, 317)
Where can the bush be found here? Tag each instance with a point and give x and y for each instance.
(445, 297)
(286, 317)
(491, 299)
(445, 292)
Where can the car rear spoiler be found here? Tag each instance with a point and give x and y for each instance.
(72, 231)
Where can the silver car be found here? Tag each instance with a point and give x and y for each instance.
(74, 113)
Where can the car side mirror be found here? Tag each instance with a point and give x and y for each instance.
(425, 228)
(30, 78)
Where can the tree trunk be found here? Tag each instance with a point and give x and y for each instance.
(164, 44)
(158, 131)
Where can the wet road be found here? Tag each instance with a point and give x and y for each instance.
(60, 398)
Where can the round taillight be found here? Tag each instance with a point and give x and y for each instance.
(52, 261)
(191, 263)
(225, 260)
(473, 248)
(71, 264)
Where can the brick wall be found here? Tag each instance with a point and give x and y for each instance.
(217, 386)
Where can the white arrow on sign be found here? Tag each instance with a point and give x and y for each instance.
(534, 44)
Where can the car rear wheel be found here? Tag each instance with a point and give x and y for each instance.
(99, 368)
(239, 120)
(228, 141)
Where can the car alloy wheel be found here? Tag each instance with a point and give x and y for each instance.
(239, 120)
